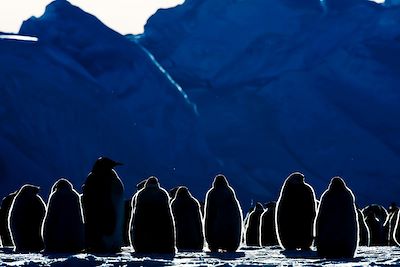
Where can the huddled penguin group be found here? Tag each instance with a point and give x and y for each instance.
(154, 220)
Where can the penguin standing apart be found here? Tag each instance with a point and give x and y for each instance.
(336, 225)
(152, 224)
(223, 217)
(103, 208)
(189, 229)
(295, 213)
(253, 226)
(4, 213)
(267, 226)
(364, 236)
(63, 229)
(25, 220)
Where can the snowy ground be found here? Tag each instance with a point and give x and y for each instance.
(272, 256)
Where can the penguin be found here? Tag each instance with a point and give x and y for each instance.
(253, 226)
(396, 228)
(390, 224)
(375, 218)
(336, 225)
(63, 229)
(188, 222)
(364, 236)
(25, 220)
(129, 217)
(295, 213)
(267, 226)
(152, 223)
(222, 217)
(4, 213)
(103, 208)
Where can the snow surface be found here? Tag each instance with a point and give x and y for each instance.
(250, 256)
(287, 85)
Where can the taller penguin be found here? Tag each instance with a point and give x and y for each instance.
(223, 217)
(152, 224)
(103, 208)
(295, 213)
(336, 225)
(26, 218)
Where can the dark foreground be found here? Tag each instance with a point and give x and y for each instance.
(272, 256)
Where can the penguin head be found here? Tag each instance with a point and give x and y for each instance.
(182, 192)
(220, 181)
(172, 192)
(141, 184)
(295, 178)
(337, 183)
(271, 204)
(393, 207)
(259, 207)
(152, 181)
(104, 164)
(62, 184)
(29, 189)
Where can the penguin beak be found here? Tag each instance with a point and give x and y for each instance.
(118, 164)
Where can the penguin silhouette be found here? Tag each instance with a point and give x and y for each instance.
(295, 213)
(63, 229)
(375, 218)
(253, 226)
(363, 230)
(390, 224)
(267, 226)
(152, 224)
(336, 224)
(103, 208)
(4, 213)
(132, 203)
(223, 217)
(25, 220)
(188, 222)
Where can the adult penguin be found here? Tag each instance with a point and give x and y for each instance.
(364, 236)
(267, 226)
(223, 217)
(295, 213)
(103, 208)
(152, 224)
(188, 223)
(253, 226)
(63, 229)
(336, 224)
(4, 213)
(25, 220)
(375, 218)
